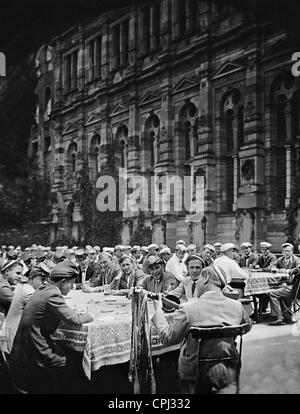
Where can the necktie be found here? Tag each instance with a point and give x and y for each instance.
(193, 287)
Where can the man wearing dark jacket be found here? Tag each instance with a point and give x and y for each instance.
(38, 363)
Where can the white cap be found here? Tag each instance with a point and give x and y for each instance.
(209, 247)
(287, 245)
(246, 244)
(180, 242)
(192, 247)
(217, 244)
(265, 244)
(227, 246)
(180, 247)
(153, 246)
(165, 250)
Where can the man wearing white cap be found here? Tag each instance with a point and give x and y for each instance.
(228, 265)
(206, 254)
(217, 252)
(10, 271)
(248, 258)
(267, 259)
(287, 263)
(165, 254)
(176, 263)
(152, 251)
(118, 251)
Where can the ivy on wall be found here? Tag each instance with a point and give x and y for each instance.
(142, 235)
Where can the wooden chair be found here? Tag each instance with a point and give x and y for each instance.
(203, 334)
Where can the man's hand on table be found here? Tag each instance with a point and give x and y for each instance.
(88, 289)
(157, 303)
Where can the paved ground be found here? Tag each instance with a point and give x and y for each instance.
(271, 360)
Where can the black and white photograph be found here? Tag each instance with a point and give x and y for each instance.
(149, 199)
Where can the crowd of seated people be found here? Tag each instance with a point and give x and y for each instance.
(25, 273)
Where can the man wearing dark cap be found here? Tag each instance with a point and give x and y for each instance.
(37, 362)
(159, 281)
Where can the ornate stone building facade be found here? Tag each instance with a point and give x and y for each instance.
(185, 88)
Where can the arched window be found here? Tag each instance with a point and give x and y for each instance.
(188, 128)
(69, 220)
(152, 140)
(122, 146)
(47, 103)
(285, 103)
(72, 156)
(231, 139)
(94, 158)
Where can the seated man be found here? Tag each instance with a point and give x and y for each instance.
(159, 281)
(266, 260)
(186, 289)
(229, 266)
(211, 309)
(130, 276)
(207, 253)
(109, 270)
(34, 278)
(176, 265)
(10, 271)
(36, 360)
(248, 258)
(286, 263)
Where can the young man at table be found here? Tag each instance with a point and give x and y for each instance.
(248, 258)
(287, 263)
(159, 280)
(211, 309)
(186, 288)
(266, 260)
(38, 363)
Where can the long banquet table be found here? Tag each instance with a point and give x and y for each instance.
(263, 282)
(106, 340)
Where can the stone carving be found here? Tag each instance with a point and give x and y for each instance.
(248, 170)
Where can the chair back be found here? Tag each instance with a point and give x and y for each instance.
(204, 334)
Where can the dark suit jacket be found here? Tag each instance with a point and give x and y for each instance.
(33, 345)
(252, 260)
(292, 264)
(161, 286)
(136, 278)
(212, 309)
(266, 262)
